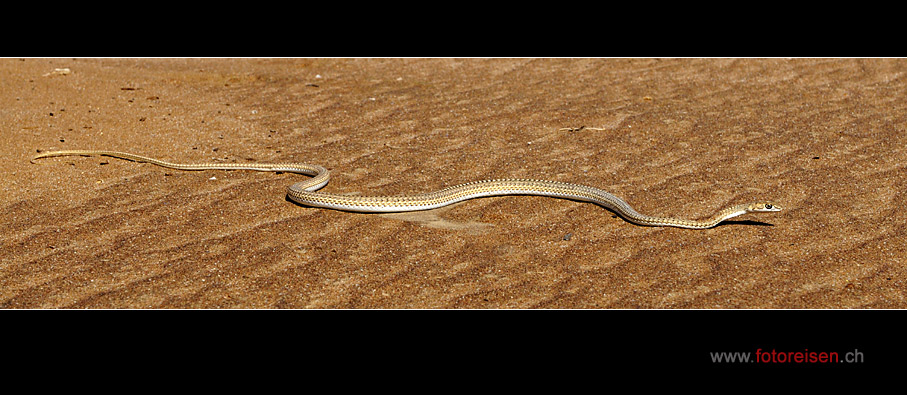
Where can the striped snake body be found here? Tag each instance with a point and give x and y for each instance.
(305, 192)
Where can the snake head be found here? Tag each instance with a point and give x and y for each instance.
(762, 207)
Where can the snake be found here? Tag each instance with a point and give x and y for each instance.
(306, 192)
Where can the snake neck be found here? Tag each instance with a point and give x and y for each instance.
(716, 219)
(724, 215)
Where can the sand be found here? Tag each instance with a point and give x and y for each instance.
(825, 138)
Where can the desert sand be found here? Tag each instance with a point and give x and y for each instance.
(825, 138)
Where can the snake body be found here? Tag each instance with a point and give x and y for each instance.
(305, 192)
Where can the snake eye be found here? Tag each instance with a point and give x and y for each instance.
(768, 206)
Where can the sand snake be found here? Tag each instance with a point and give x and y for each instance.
(304, 192)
